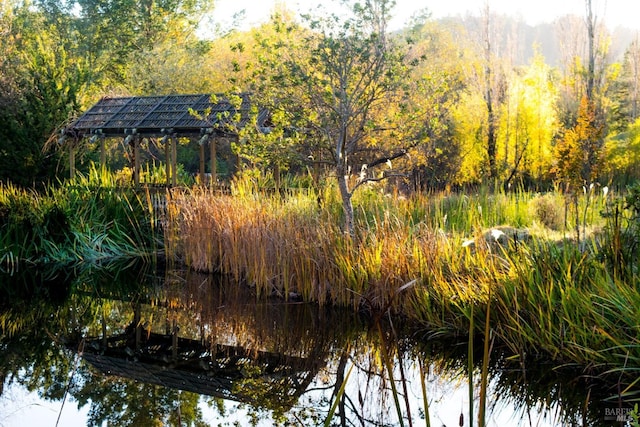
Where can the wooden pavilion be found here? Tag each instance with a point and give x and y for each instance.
(224, 371)
(202, 117)
(199, 365)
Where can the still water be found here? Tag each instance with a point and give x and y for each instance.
(124, 346)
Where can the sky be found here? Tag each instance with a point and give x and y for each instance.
(614, 12)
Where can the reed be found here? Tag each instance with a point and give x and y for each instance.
(423, 386)
(90, 218)
(548, 296)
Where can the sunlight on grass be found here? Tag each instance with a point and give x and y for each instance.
(548, 294)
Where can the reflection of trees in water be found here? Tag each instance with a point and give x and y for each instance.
(220, 340)
(30, 321)
(565, 395)
(287, 359)
(120, 402)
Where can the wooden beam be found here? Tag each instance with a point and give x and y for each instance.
(213, 166)
(202, 182)
(72, 160)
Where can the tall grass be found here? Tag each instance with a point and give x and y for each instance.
(548, 296)
(90, 218)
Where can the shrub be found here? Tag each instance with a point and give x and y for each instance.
(546, 210)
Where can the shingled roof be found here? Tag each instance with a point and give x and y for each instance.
(154, 116)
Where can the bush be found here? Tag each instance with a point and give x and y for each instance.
(546, 210)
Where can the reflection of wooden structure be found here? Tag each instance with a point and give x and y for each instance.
(203, 117)
(227, 372)
(199, 366)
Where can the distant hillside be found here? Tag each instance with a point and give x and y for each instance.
(515, 39)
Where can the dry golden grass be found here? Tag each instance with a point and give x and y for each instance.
(556, 298)
(292, 246)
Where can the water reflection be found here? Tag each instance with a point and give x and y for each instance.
(194, 334)
(179, 348)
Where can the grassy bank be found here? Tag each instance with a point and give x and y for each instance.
(572, 301)
(545, 293)
(90, 219)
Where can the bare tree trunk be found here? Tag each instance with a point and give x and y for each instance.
(491, 131)
(342, 172)
(347, 205)
(591, 60)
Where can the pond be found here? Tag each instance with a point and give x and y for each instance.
(128, 346)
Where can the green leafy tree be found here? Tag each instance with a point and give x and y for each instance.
(335, 84)
(43, 86)
(118, 33)
(621, 154)
(624, 91)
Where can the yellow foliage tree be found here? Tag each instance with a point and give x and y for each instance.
(529, 122)
(578, 154)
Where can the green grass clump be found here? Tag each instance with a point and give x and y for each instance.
(89, 218)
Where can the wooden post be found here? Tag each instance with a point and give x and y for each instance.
(174, 162)
(202, 183)
(72, 160)
(214, 166)
(103, 154)
(136, 161)
(167, 158)
(174, 340)
(238, 157)
(104, 332)
(137, 308)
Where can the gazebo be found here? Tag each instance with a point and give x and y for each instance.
(187, 355)
(223, 371)
(204, 117)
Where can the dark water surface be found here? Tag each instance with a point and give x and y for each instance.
(124, 346)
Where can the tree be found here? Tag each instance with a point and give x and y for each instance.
(624, 91)
(438, 86)
(115, 32)
(335, 84)
(488, 78)
(528, 123)
(579, 150)
(632, 68)
(585, 45)
(489, 94)
(578, 153)
(42, 85)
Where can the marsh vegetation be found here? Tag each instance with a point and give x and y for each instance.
(415, 177)
(541, 292)
(97, 352)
